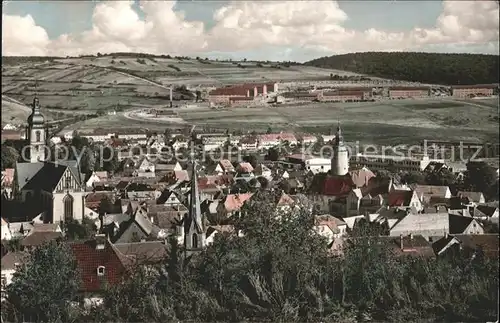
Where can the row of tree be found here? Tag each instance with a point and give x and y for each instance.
(279, 271)
(434, 68)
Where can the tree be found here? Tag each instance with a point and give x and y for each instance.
(413, 178)
(42, 288)
(269, 130)
(109, 159)
(75, 230)
(273, 154)
(252, 159)
(10, 156)
(479, 176)
(441, 178)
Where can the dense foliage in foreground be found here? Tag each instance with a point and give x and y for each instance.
(434, 68)
(279, 271)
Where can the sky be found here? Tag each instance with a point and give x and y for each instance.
(256, 30)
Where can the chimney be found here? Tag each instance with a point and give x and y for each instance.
(411, 236)
(100, 240)
(446, 235)
(401, 241)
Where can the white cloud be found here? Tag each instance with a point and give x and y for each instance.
(249, 26)
(22, 37)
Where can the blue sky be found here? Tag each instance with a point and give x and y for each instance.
(75, 17)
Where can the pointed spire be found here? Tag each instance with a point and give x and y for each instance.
(194, 203)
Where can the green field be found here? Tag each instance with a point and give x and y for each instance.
(391, 122)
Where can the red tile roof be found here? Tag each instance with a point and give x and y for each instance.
(337, 186)
(234, 202)
(245, 167)
(399, 198)
(475, 86)
(409, 88)
(88, 259)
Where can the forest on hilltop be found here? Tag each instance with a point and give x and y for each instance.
(434, 68)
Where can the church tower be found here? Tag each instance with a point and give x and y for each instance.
(340, 158)
(36, 133)
(194, 229)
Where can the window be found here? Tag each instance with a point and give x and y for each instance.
(67, 183)
(195, 240)
(37, 135)
(68, 207)
(101, 270)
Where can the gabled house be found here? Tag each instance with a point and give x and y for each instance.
(10, 262)
(96, 177)
(171, 198)
(412, 245)
(390, 216)
(224, 166)
(5, 230)
(427, 225)
(485, 212)
(426, 192)
(464, 225)
(404, 199)
(99, 265)
(435, 225)
(143, 165)
(471, 198)
(264, 171)
(167, 168)
(487, 244)
(231, 204)
(330, 227)
(214, 230)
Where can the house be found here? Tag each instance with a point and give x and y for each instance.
(464, 225)
(412, 245)
(264, 171)
(473, 198)
(214, 230)
(248, 143)
(224, 166)
(485, 243)
(142, 253)
(93, 200)
(171, 198)
(96, 177)
(435, 225)
(404, 199)
(99, 265)
(485, 212)
(5, 230)
(427, 225)
(389, 216)
(167, 168)
(41, 234)
(329, 227)
(426, 192)
(143, 165)
(10, 262)
(231, 204)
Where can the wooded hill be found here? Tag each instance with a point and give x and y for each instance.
(434, 68)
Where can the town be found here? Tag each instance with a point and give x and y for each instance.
(237, 161)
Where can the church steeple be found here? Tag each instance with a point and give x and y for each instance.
(194, 230)
(36, 133)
